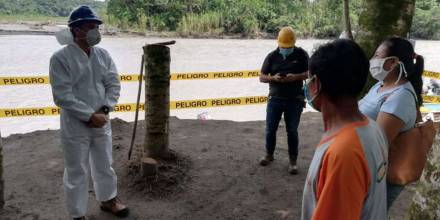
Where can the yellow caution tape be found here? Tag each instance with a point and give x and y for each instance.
(220, 102)
(430, 74)
(25, 80)
(129, 78)
(131, 107)
(126, 77)
(34, 80)
(174, 105)
(431, 99)
(26, 112)
(200, 75)
(216, 75)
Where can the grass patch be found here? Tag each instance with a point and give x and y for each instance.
(208, 23)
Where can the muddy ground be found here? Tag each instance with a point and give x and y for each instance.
(223, 180)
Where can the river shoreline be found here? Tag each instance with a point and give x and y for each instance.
(50, 28)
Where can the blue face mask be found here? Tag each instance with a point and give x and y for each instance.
(307, 94)
(285, 52)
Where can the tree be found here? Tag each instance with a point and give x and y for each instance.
(380, 20)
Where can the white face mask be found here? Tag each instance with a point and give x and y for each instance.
(93, 37)
(376, 68)
(379, 73)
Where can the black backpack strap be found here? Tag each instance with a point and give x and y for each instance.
(414, 95)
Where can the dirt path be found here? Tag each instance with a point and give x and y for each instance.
(225, 180)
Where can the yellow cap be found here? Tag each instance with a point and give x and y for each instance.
(286, 37)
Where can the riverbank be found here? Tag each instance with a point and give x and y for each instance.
(224, 180)
(50, 27)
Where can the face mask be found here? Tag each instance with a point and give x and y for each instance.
(93, 37)
(379, 73)
(376, 68)
(285, 52)
(307, 94)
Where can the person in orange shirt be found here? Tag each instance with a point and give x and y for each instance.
(347, 175)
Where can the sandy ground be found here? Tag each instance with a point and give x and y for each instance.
(224, 180)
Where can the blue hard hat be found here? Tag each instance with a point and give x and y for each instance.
(81, 14)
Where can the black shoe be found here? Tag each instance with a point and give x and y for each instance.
(293, 169)
(266, 160)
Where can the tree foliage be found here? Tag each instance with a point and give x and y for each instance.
(317, 18)
(426, 22)
(60, 8)
(247, 17)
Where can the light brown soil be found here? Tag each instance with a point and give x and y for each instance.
(223, 180)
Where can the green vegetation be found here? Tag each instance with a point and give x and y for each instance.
(53, 8)
(216, 17)
(4, 18)
(319, 18)
(52, 11)
(249, 18)
(426, 22)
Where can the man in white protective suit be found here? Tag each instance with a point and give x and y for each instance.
(85, 85)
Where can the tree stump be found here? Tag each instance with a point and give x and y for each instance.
(148, 166)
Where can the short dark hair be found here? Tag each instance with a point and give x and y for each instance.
(342, 68)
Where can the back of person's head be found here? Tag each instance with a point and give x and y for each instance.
(404, 50)
(341, 67)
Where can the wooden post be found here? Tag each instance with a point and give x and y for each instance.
(2, 182)
(157, 100)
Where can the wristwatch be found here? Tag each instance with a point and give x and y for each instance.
(105, 109)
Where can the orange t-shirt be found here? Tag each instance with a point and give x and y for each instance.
(346, 176)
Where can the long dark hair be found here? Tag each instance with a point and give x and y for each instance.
(404, 50)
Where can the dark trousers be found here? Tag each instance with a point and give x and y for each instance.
(292, 109)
